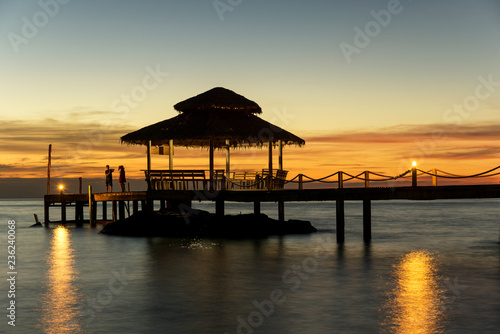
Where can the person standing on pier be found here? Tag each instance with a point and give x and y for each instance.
(109, 178)
(122, 178)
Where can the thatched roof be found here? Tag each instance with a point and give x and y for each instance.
(196, 127)
(218, 98)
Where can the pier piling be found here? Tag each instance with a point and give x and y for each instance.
(113, 210)
(63, 211)
(104, 210)
(367, 220)
(256, 207)
(92, 209)
(281, 211)
(121, 209)
(219, 207)
(340, 221)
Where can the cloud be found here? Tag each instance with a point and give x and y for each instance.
(84, 148)
(408, 133)
(25, 143)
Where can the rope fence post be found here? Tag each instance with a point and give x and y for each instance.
(301, 179)
(434, 177)
(367, 179)
(341, 180)
(414, 176)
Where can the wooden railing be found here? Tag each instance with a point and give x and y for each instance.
(200, 180)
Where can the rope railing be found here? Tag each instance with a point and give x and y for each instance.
(249, 185)
(456, 176)
(413, 173)
(302, 179)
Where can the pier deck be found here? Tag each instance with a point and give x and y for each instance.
(182, 199)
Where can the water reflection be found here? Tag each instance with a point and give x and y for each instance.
(59, 305)
(416, 304)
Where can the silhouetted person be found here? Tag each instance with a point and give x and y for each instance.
(122, 178)
(109, 178)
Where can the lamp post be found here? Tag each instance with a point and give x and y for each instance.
(414, 174)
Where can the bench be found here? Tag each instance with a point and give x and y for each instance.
(246, 180)
(182, 179)
(278, 178)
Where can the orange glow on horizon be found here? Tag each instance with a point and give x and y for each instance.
(388, 152)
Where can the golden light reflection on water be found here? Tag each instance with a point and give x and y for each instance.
(60, 302)
(416, 304)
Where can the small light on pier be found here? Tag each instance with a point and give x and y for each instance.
(414, 164)
(61, 188)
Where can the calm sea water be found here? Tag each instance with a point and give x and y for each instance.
(432, 267)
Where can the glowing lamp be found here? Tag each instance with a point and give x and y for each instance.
(61, 188)
(414, 164)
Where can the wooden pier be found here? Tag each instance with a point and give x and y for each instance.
(127, 203)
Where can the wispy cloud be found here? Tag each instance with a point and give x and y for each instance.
(75, 144)
(408, 133)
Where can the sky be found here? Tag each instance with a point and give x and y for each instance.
(368, 84)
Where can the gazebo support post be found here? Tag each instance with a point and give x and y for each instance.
(171, 154)
(228, 160)
(211, 165)
(280, 160)
(148, 151)
(270, 176)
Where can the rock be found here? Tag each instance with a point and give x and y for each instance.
(203, 224)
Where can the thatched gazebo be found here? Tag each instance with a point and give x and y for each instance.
(216, 119)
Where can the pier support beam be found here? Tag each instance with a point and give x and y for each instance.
(92, 209)
(340, 221)
(281, 211)
(113, 210)
(121, 209)
(135, 206)
(63, 211)
(104, 210)
(79, 213)
(256, 208)
(46, 216)
(219, 207)
(94, 214)
(150, 205)
(367, 220)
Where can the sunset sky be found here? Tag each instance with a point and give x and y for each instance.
(370, 85)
